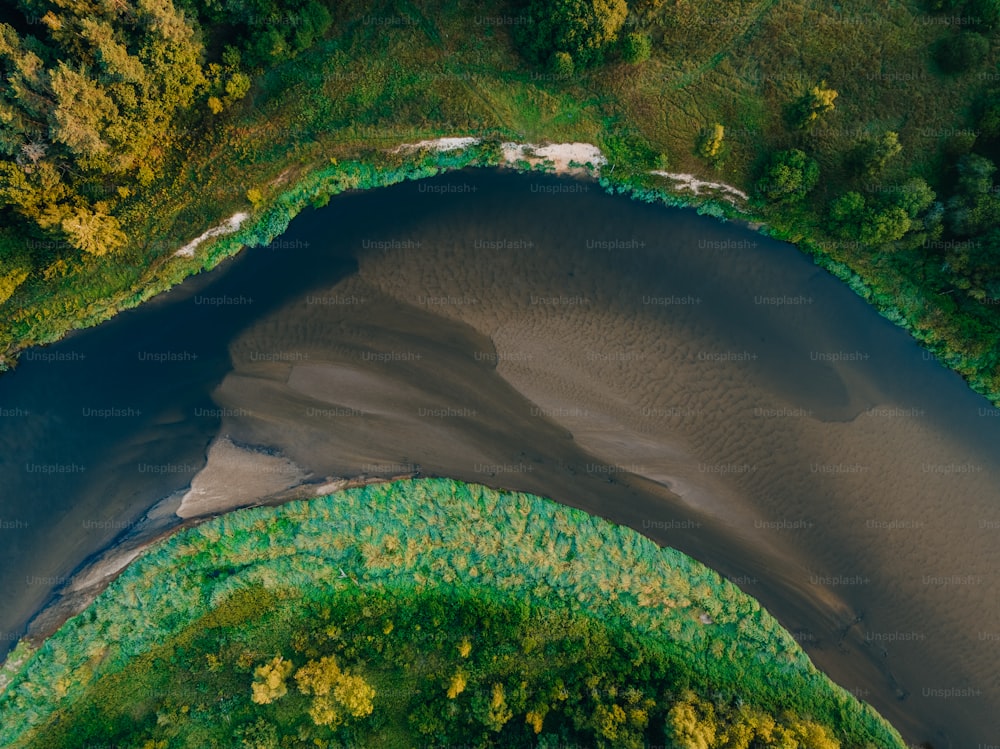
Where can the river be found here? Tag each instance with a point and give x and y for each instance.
(705, 385)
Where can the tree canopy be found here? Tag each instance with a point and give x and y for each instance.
(583, 29)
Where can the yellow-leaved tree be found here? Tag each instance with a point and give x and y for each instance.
(337, 693)
(457, 685)
(269, 680)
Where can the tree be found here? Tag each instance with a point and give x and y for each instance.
(355, 695)
(93, 232)
(691, 724)
(808, 108)
(497, 712)
(988, 114)
(257, 735)
(336, 692)
(961, 52)
(711, 143)
(583, 29)
(812, 735)
(269, 680)
(852, 218)
(457, 685)
(914, 196)
(318, 677)
(82, 113)
(15, 266)
(636, 48)
(788, 178)
(875, 154)
(561, 64)
(975, 207)
(975, 174)
(609, 721)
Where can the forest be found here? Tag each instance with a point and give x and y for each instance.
(393, 615)
(128, 128)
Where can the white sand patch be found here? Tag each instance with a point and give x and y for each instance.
(568, 158)
(330, 487)
(236, 477)
(228, 226)
(690, 182)
(440, 144)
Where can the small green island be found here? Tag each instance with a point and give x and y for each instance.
(418, 613)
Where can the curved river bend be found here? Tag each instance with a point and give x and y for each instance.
(709, 387)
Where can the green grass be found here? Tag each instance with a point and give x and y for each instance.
(440, 560)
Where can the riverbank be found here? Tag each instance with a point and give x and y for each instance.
(169, 516)
(426, 158)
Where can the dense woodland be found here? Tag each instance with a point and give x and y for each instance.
(424, 613)
(868, 135)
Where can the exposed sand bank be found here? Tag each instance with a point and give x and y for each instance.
(236, 477)
(683, 181)
(226, 227)
(576, 159)
(567, 158)
(440, 144)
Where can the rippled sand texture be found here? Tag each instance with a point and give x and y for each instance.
(566, 344)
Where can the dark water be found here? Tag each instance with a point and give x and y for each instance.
(708, 387)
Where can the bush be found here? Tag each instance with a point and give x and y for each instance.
(636, 48)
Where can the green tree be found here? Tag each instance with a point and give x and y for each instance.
(914, 196)
(789, 176)
(15, 265)
(806, 110)
(876, 153)
(582, 28)
(851, 217)
(636, 48)
(961, 52)
(975, 174)
(257, 735)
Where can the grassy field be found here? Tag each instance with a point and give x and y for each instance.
(595, 635)
(399, 72)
